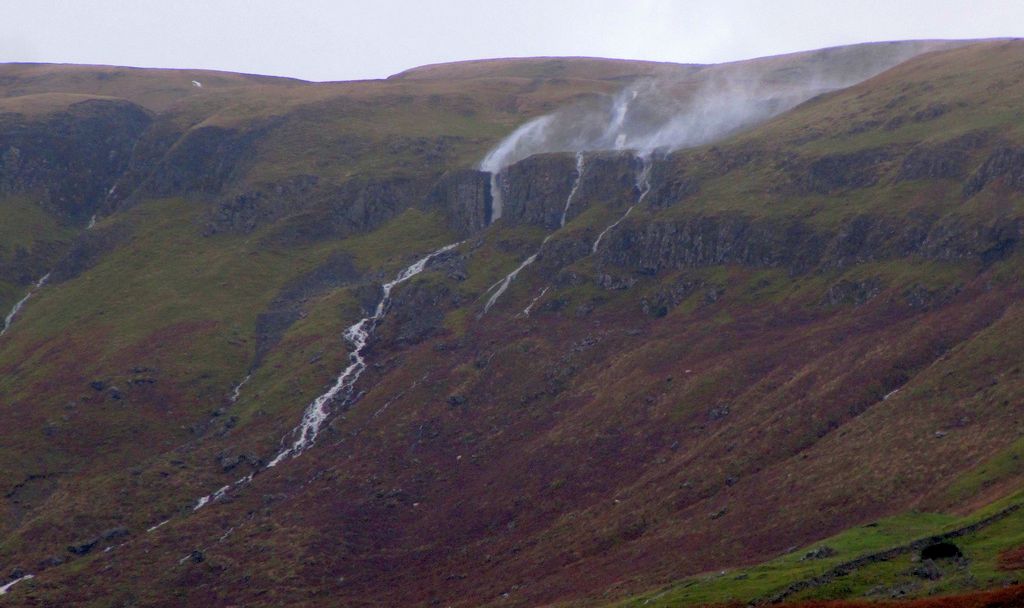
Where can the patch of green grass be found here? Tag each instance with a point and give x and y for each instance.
(1005, 465)
(505, 248)
(979, 571)
(390, 246)
(747, 584)
(26, 223)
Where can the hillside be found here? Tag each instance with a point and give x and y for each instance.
(802, 328)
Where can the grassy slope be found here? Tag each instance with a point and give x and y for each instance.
(185, 305)
(982, 548)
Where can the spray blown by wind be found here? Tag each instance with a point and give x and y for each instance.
(667, 114)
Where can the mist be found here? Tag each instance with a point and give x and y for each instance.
(669, 113)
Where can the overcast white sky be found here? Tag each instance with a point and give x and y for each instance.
(352, 39)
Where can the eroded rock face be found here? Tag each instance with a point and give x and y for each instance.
(203, 161)
(946, 160)
(608, 178)
(797, 246)
(670, 184)
(865, 238)
(243, 213)
(23, 266)
(417, 311)
(714, 240)
(69, 159)
(361, 205)
(145, 158)
(287, 306)
(87, 250)
(465, 198)
(854, 293)
(536, 190)
(834, 172)
(563, 251)
(1005, 164)
(663, 300)
(303, 211)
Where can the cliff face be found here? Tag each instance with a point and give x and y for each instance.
(813, 324)
(69, 159)
(535, 192)
(799, 247)
(465, 199)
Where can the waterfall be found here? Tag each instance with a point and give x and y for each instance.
(643, 184)
(575, 187)
(317, 412)
(156, 527)
(358, 335)
(620, 108)
(18, 305)
(597, 242)
(237, 391)
(496, 201)
(533, 302)
(502, 286)
(643, 181)
(5, 588)
(527, 136)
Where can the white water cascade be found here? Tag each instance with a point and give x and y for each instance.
(525, 137)
(496, 200)
(502, 286)
(237, 391)
(317, 412)
(5, 588)
(643, 183)
(575, 186)
(533, 302)
(358, 335)
(20, 303)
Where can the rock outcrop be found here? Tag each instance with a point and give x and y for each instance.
(791, 243)
(535, 190)
(844, 171)
(203, 160)
(286, 308)
(71, 158)
(465, 198)
(1005, 163)
(87, 250)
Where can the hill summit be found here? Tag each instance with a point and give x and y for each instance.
(516, 332)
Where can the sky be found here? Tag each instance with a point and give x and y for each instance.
(349, 40)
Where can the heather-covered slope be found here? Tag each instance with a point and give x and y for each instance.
(798, 330)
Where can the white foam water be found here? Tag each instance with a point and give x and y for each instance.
(156, 527)
(643, 183)
(496, 200)
(317, 412)
(533, 302)
(502, 286)
(237, 391)
(20, 303)
(575, 187)
(5, 588)
(358, 335)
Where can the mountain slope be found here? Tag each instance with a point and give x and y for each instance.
(797, 330)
